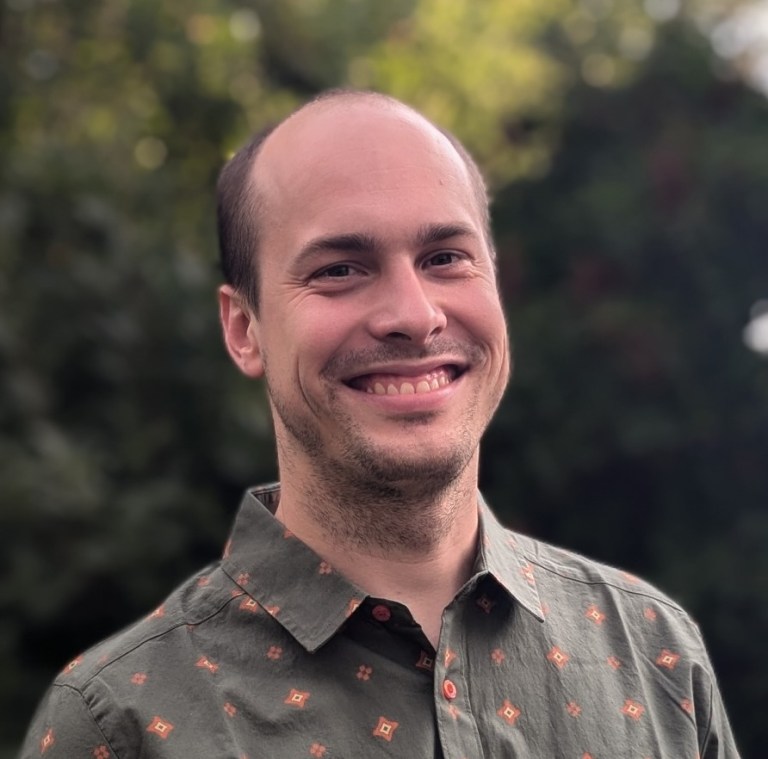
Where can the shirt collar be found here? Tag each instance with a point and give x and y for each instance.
(502, 553)
(312, 601)
(286, 577)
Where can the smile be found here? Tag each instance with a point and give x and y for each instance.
(397, 384)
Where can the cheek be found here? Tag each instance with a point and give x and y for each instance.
(485, 317)
(487, 325)
(314, 335)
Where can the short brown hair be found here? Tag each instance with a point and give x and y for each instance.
(238, 213)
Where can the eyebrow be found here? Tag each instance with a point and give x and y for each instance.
(361, 242)
(432, 233)
(353, 242)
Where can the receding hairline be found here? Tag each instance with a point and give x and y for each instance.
(337, 99)
(334, 100)
(328, 101)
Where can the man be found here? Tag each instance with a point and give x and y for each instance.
(371, 605)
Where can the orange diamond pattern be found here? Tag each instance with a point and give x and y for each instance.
(385, 729)
(297, 698)
(508, 712)
(47, 740)
(249, 604)
(633, 709)
(205, 663)
(160, 727)
(74, 663)
(558, 657)
(668, 659)
(595, 615)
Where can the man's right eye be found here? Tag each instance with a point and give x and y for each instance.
(336, 271)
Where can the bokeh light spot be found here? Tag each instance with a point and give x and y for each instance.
(150, 153)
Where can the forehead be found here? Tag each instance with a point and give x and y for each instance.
(360, 162)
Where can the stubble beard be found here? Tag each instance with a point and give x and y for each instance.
(366, 496)
(372, 496)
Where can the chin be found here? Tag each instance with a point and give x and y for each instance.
(434, 469)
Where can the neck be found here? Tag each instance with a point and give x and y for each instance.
(405, 542)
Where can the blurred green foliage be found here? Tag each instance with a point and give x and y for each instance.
(629, 167)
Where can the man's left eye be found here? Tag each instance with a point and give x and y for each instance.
(443, 258)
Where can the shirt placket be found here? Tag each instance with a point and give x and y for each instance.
(457, 727)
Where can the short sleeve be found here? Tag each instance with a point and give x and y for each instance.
(718, 740)
(64, 728)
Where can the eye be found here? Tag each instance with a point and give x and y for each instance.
(443, 258)
(337, 271)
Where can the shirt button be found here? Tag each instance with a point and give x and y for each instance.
(449, 689)
(381, 613)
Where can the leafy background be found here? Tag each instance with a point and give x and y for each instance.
(626, 144)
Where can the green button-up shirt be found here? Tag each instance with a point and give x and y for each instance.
(270, 653)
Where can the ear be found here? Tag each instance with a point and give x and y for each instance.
(241, 332)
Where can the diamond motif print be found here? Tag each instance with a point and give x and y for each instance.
(385, 729)
(509, 712)
(595, 615)
(160, 727)
(632, 709)
(47, 740)
(667, 659)
(558, 657)
(297, 698)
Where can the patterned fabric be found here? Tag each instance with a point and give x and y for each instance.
(270, 653)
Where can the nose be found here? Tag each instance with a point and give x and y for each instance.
(406, 308)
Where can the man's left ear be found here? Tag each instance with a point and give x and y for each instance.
(241, 332)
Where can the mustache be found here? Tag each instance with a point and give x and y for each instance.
(352, 363)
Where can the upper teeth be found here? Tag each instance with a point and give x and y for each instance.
(432, 381)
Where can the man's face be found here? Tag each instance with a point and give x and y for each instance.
(380, 329)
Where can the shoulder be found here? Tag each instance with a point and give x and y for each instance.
(576, 570)
(625, 637)
(200, 598)
(576, 590)
(96, 700)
